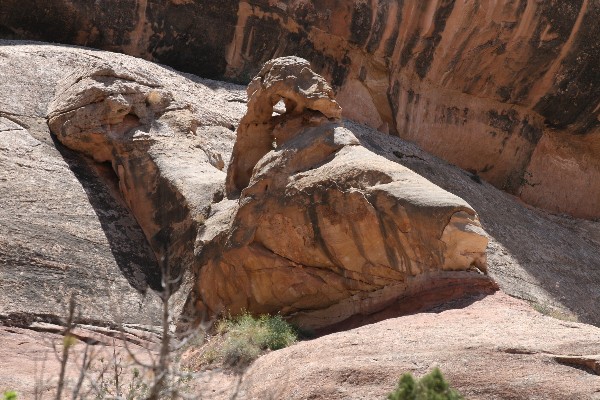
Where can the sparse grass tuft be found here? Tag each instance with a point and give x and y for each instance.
(554, 312)
(432, 386)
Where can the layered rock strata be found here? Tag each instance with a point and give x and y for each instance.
(549, 260)
(509, 89)
(65, 229)
(324, 229)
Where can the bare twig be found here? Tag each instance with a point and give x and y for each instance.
(117, 369)
(39, 381)
(85, 366)
(67, 342)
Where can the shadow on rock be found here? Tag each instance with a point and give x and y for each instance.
(127, 242)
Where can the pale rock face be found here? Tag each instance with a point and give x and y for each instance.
(560, 357)
(64, 229)
(324, 229)
(166, 151)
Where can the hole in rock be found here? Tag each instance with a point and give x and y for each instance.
(279, 108)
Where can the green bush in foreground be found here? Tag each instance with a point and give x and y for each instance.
(10, 395)
(241, 340)
(432, 386)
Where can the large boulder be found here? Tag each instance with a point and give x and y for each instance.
(322, 224)
(324, 229)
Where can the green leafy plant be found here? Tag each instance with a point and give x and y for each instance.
(240, 340)
(432, 386)
(9, 395)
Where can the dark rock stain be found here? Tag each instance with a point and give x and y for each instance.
(340, 72)
(378, 27)
(390, 43)
(576, 92)
(459, 53)
(394, 100)
(451, 116)
(530, 132)
(425, 57)
(261, 36)
(408, 48)
(504, 121)
(360, 27)
(504, 92)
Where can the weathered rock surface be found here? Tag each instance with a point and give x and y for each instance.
(546, 259)
(491, 348)
(486, 86)
(291, 81)
(165, 151)
(29, 364)
(63, 228)
(549, 260)
(65, 225)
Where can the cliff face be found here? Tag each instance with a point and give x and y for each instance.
(185, 35)
(166, 148)
(509, 89)
(156, 189)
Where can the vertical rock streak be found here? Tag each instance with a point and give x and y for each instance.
(405, 66)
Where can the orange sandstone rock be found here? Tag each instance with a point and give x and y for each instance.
(324, 229)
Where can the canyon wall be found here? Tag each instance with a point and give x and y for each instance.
(509, 90)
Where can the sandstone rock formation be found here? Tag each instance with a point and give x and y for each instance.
(63, 228)
(551, 261)
(161, 149)
(66, 228)
(509, 89)
(492, 88)
(304, 94)
(324, 229)
(348, 236)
